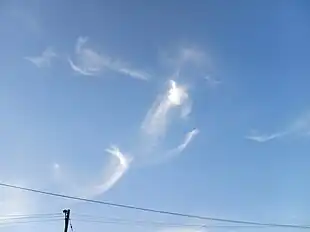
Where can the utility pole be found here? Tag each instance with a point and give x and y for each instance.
(67, 218)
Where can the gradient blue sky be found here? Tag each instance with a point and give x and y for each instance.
(243, 64)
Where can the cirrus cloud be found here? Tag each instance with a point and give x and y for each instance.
(159, 115)
(89, 62)
(44, 60)
(299, 126)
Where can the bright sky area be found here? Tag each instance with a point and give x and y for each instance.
(199, 107)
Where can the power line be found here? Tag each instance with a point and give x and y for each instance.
(133, 222)
(154, 210)
(122, 221)
(11, 223)
(30, 215)
(159, 224)
(128, 221)
(27, 217)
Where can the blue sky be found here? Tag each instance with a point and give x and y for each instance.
(196, 106)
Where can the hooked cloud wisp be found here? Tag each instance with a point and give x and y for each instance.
(182, 146)
(115, 170)
(88, 62)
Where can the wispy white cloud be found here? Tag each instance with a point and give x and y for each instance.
(44, 60)
(174, 103)
(80, 70)
(90, 63)
(265, 138)
(159, 115)
(171, 105)
(156, 128)
(112, 172)
(300, 126)
(182, 146)
(115, 170)
(132, 73)
(188, 138)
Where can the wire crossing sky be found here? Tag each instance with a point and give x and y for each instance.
(154, 210)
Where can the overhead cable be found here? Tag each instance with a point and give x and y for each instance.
(154, 210)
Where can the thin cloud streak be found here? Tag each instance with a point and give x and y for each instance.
(116, 171)
(133, 73)
(182, 146)
(88, 62)
(44, 60)
(265, 138)
(188, 138)
(299, 127)
(78, 69)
